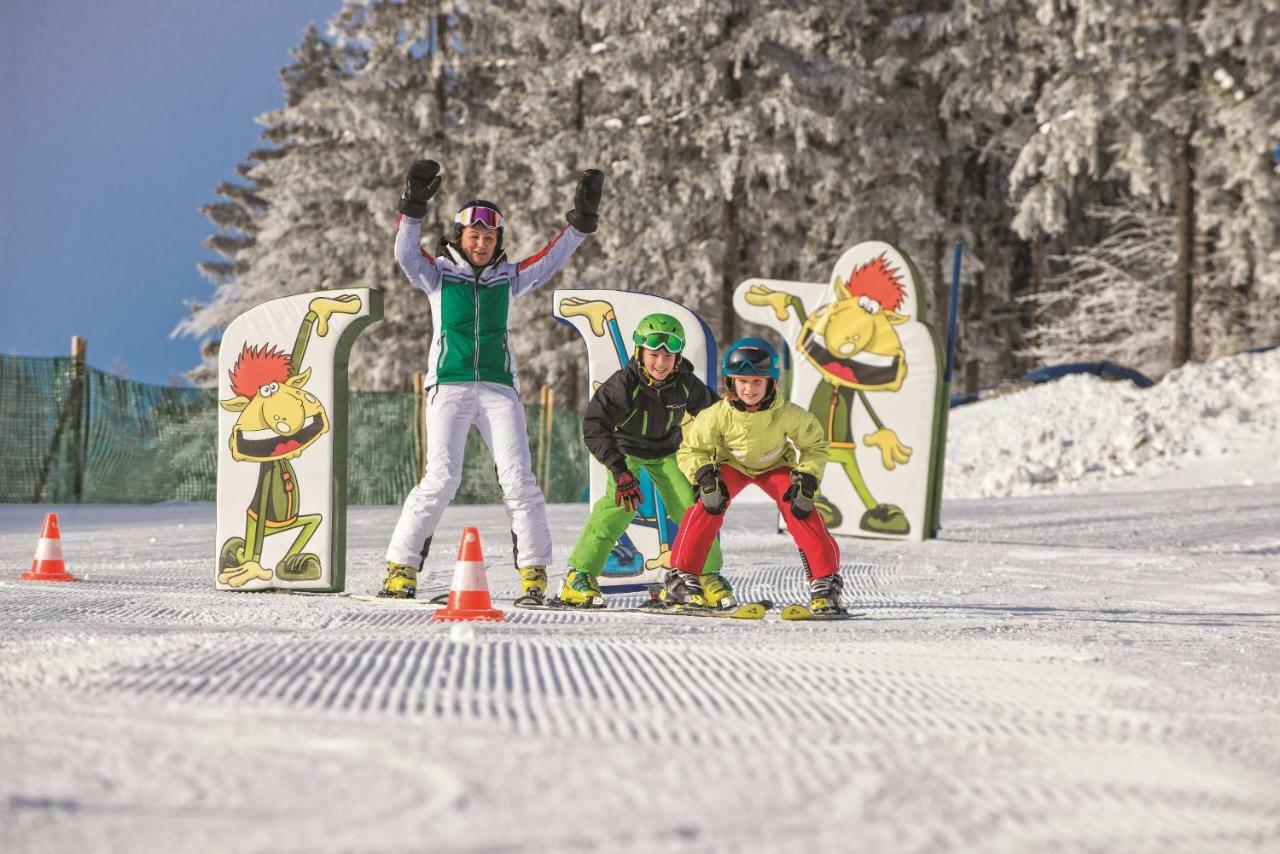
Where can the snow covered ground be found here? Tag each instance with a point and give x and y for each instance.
(1211, 424)
(1058, 673)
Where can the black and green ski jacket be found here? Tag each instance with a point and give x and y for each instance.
(629, 415)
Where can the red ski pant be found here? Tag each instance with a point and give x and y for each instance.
(698, 528)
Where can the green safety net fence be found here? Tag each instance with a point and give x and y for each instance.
(69, 432)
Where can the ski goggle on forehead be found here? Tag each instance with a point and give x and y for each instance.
(749, 361)
(659, 340)
(482, 216)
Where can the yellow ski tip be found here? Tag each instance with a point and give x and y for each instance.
(752, 611)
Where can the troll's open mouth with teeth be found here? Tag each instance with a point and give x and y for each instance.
(862, 369)
(267, 444)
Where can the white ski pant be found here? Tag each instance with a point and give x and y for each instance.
(496, 410)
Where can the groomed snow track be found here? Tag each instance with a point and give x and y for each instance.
(1054, 675)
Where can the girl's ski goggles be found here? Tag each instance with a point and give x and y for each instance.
(481, 216)
(659, 340)
(749, 362)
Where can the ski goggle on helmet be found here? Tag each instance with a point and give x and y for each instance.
(482, 215)
(750, 357)
(659, 332)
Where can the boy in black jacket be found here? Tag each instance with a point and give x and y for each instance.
(633, 423)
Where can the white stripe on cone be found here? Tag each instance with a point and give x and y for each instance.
(47, 549)
(469, 575)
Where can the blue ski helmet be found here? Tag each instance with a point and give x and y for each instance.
(750, 357)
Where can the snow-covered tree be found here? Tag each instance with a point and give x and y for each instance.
(1239, 175)
(1110, 300)
(763, 137)
(1135, 99)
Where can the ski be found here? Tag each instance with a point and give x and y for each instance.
(533, 603)
(390, 600)
(749, 611)
(800, 612)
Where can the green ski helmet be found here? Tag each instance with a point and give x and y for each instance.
(658, 331)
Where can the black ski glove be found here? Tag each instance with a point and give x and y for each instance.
(800, 494)
(711, 489)
(628, 492)
(586, 202)
(419, 186)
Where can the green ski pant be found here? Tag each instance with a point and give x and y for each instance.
(608, 521)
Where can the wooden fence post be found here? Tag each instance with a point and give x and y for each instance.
(72, 408)
(544, 443)
(80, 399)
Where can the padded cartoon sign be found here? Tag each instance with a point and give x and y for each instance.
(282, 447)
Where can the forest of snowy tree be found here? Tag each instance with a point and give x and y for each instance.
(1108, 165)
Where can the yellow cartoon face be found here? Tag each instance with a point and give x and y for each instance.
(852, 340)
(279, 419)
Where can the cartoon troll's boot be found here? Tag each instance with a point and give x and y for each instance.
(885, 519)
(300, 567)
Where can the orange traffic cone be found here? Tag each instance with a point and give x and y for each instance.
(48, 565)
(469, 593)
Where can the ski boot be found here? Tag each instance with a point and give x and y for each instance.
(717, 592)
(533, 583)
(824, 594)
(580, 590)
(401, 582)
(682, 588)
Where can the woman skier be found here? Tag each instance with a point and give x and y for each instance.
(753, 436)
(632, 424)
(471, 377)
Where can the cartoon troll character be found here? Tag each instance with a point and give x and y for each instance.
(278, 421)
(854, 345)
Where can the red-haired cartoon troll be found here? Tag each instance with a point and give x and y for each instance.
(278, 421)
(854, 344)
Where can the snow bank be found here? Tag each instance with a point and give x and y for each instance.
(1214, 424)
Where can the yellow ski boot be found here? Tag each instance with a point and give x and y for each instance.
(682, 588)
(717, 592)
(824, 594)
(533, 583)
(401, 582)
(580, 590)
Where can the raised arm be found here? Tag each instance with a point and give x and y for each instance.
(583, 220)
(421, 184)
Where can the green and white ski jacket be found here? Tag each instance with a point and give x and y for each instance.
(469, 308)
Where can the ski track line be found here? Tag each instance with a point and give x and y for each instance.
(371, 675)
(504, 681)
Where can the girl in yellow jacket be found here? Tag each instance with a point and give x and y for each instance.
(752, 436)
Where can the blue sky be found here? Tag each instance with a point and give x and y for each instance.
(117, 121)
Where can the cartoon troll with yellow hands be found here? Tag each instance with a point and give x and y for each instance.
(278, 420)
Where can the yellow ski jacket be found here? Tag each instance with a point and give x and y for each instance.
(754, 442)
